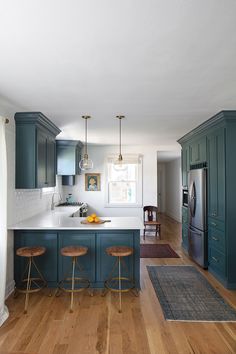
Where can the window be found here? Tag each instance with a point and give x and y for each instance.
(124, 187)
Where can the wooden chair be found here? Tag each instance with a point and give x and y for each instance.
(150, 221)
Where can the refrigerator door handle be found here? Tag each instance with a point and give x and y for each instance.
(192, 204)
(194, 232)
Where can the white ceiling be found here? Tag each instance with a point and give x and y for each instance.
(168, 65)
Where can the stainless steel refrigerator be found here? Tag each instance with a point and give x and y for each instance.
(197, 209)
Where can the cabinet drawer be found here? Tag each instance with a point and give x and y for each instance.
(216, 224)
(216, 239)
(216, 261)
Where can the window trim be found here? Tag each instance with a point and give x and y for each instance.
(139, 203)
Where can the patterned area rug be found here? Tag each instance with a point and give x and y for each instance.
(157, 250)
(186, 295)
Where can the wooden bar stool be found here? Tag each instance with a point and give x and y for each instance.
(31, 284)
(111, 283)
(73, 284)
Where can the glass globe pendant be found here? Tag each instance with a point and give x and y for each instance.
(86, 163)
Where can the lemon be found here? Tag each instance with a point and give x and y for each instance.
(97, 219)
(89, 219)
(93, 215)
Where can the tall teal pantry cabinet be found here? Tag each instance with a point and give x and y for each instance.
(213, 144)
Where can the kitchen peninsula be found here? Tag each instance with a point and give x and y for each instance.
(57, 228)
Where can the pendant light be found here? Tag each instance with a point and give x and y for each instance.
(119, 163)
(85, 163)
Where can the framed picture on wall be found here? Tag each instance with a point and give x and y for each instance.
(92, 182)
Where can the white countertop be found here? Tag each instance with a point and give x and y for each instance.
(60, 219)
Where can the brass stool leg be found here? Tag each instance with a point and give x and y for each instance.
(73, 284)
(119, 286)
(28, 286)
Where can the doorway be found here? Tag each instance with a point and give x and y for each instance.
(169, 183)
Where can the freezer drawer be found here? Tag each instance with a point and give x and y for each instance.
(197, 246)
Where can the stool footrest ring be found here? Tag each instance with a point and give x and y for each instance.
(82, 281)
(108, 284)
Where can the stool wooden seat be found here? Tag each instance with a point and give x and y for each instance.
(73, 284)
(34, 281)
(74, 251)
(119, 283)
(30, 251)
(119, 251)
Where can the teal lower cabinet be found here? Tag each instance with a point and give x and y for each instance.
(217, 263)
(185, 228)
(47, 263)
(105, 262)
(96, 264)
(86, 262)
(185, 237)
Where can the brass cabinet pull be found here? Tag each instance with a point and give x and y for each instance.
(213, 224)
(215, 259)
(215, 238)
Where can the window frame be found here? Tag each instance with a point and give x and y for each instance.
(139, 191)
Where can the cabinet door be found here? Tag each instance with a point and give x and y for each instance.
(41, 159)
(51, 161)
(86, 262)
(185, 165)
(197, 151)
(47, 263)
(105, 262)
(216, 174)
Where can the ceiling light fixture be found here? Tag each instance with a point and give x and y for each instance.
(86, 163)
(119, 163)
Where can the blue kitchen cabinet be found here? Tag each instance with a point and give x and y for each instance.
(47, 263)
(216, 173)
(105, 262)
(86, 262)
(68, 157)
(185, 165)
(35, 151)
(197, 150)
(213, 144)
(96, 264)
(185, 228)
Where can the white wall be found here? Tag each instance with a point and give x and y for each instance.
(161, 178)
(21, 203)
(96, 200)
(173, 189)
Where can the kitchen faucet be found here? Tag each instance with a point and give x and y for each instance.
(59, 200)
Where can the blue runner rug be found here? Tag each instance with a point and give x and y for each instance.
(186, 295)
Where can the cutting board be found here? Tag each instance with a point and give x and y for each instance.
(85, 222)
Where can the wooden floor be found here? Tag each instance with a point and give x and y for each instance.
(97, 327)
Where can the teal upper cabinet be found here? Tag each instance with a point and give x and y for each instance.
(35, 151)
(68, 157)
(197, 151)
(216, 173)
(185, 165)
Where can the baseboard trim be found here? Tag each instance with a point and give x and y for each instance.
(172, 216)
(9, 288)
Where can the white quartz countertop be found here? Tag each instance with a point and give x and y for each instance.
(60, 219)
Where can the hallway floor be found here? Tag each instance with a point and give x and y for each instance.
(97, 327)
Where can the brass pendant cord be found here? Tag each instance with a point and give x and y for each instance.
(86, 135)
(120, 135)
